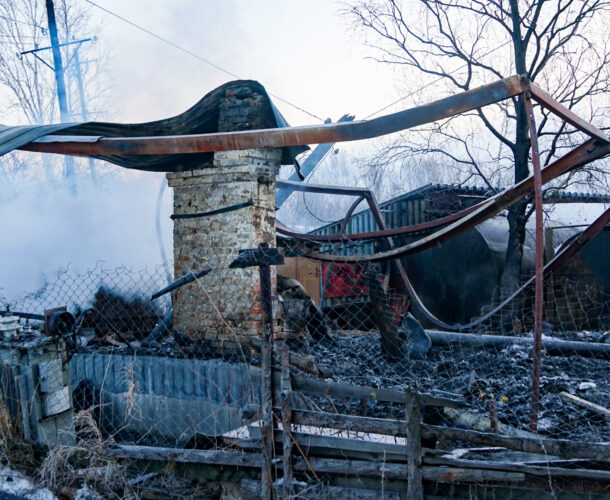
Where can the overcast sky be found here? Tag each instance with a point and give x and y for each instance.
(302, 51)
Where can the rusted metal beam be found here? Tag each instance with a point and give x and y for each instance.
(539, 276)
(424, 226)
(283, 137)
(582, 155)
(398, 231)
(564, 255)
(350, 212)
(363, 194)
(545, 100)
(576, 158)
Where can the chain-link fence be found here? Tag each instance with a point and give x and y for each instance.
(347, 323)
(115, 316)
(490, 361)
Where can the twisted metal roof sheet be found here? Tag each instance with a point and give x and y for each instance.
(202, 118)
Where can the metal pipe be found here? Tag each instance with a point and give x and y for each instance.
(553, 347)
(585, 153)
(184, 280)
(582, 155)
(24, 315)
(163, 328)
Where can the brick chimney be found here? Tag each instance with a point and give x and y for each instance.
(224, 308)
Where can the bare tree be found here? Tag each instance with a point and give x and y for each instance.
(27, 83)
(460, 44)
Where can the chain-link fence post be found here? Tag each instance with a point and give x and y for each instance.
(264, 257)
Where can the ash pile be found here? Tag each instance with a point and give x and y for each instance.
(499, 378)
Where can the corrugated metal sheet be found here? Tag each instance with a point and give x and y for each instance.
(167, 397)
(202, 118)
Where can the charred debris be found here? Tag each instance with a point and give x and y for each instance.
(350, 361)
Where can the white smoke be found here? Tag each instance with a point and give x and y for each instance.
(44, 227)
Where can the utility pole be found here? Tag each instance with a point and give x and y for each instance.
(62, 93)
(61, 86)
(83, 104)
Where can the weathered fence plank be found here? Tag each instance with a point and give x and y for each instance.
(415, 488)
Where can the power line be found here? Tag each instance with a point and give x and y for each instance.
(193, 54)
(432, 82)
(311, 213)
(20, 36)
(18, 44)
(22, 22)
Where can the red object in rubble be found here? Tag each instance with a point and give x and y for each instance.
(344, 280)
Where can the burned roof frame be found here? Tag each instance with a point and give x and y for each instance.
(595, 148)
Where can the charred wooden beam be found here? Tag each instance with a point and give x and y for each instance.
(312, 386)
(337, 446)
(391, 343)
(562, 448)
(264, 257)
(533, 470)
(435, 468)
(286, 416)
(399, 471)
(415, 487)
(213, 457)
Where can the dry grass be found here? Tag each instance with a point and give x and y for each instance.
(7, 433)
(132, 391)
(13, 450)
(7, 426)
(88, 462)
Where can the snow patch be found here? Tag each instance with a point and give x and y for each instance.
(16, 483)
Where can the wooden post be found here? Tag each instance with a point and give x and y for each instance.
(267, 383)
(286, 398)
(264, 257)
(415, 487)
(493, 415)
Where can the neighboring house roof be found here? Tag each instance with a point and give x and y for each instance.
(551, 197)
(202, 118)
(363, 221)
